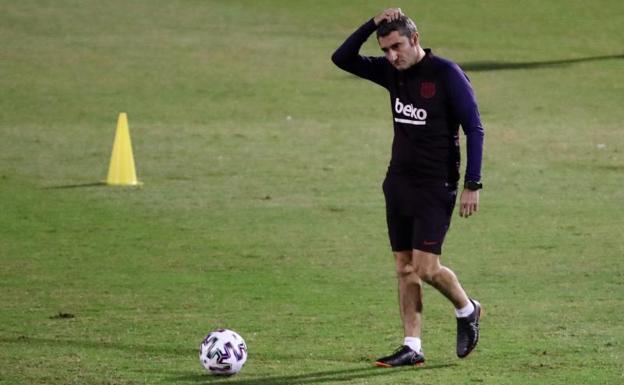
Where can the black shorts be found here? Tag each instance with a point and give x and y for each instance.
(418, 214)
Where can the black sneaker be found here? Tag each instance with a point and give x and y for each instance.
(403, 356)
(468, 331)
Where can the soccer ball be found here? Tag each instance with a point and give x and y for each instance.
(223, 352)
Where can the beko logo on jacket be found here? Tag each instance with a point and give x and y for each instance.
(418, 115)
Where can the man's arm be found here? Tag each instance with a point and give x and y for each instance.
(465, 109)
(348, 57)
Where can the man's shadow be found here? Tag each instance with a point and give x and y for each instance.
(482, 66)
(329, 376)
(198, 377)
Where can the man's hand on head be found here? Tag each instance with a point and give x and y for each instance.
(388, 15)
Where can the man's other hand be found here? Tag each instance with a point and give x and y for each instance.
(468, 203)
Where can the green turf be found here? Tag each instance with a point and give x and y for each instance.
(261, 208)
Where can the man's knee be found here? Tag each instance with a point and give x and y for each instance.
(426, 265)
(427, 274)
(405, 269)
(406, 273)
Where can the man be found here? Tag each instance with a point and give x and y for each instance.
(430, 97)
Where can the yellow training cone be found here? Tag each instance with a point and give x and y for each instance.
(121, 171)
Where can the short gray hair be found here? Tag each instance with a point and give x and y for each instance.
(403, 25)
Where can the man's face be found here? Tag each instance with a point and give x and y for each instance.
(400, 50)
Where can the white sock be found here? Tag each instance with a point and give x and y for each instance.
(465, 311)
(413, 343)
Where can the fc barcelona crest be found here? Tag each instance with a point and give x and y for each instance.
(427, 90)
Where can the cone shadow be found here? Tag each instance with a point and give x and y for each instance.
(79, 185)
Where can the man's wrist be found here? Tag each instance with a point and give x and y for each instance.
(473, 185)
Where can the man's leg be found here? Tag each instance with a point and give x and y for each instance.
(428, 267)
(410, 294)
(410, 307)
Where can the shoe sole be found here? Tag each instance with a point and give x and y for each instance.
(384, 365)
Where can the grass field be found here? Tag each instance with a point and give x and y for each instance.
(262, 210)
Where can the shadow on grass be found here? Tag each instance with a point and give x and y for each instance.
(197, 377)
(86, 344)
(94, 184)
(306, 378)
(480, 66)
